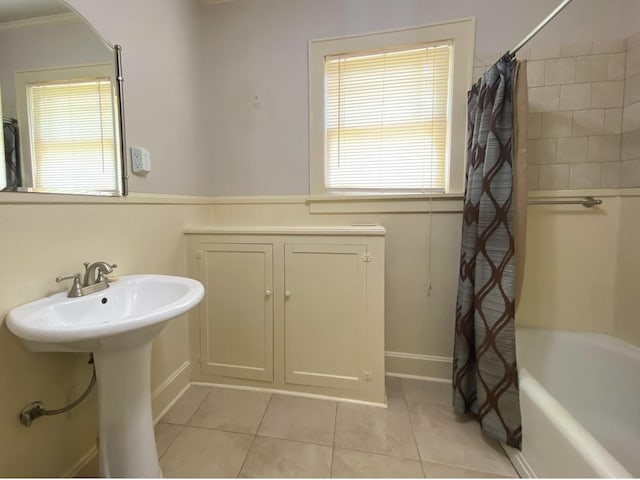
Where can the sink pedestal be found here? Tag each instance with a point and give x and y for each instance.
(127, 441)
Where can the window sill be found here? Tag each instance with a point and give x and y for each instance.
(386, 203)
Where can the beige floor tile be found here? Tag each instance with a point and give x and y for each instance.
(421, 391)
(200, 452)
(352, 464)
(297, 418)
(375, 430)
(187, 404)
(166, 433)
(438, 470)
(276, 458)
(444, 438)
(232, 410)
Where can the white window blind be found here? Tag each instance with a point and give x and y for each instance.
(72, 135)
(387, 119)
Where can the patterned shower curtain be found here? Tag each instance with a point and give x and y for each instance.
(485, 378)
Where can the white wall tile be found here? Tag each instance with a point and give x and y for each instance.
(584, 176)
(609, 46)
(524, 54)
(545, 52)
(632, 90)
(633, 62)
(553, 177)
(532, 177)
(557, 124)
(609, 175)
(588, 122)
(575, 97)
(616, 66)
(534, 125)
(535, 73)
(572, 150)
(592, 68)
(633, 41)
(607, 94)
(544, 99)
(631, 117)
(575, 49)
(541, 151)
(560, 71)
(630, 174)
(630, 145)
(603, 148)
(613, 120)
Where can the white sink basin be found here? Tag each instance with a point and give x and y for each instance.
(131, 311)
(118, 325)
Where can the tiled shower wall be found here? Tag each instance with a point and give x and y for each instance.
(584, 114)
(630, 157)
(575, 115)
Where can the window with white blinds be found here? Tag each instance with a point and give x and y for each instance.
(387, 110)
(387, 119)
(72, 135)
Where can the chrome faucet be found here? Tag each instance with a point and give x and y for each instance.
(94, 279)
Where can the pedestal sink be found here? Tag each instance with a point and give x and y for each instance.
(116, 324)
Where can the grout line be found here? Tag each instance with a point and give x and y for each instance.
(255, 435)
(333, 442)
(199, 405)
(182, 427)
(413, 430)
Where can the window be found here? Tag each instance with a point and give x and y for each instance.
(387, 110)
(71, 132)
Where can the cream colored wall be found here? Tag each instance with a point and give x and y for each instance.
(41, 241)
(627, 317)
(570, 270)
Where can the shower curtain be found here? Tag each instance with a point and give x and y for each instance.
(11, 154)
(485, 378)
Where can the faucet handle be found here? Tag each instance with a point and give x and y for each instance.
(76, 288)
(102, 272)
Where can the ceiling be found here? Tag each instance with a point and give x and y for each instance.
(16, 10)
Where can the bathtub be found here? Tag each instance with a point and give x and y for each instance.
(580, 401)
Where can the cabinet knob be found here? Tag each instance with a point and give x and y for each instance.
(267, 293)
(287, 293)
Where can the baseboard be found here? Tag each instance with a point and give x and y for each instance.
(418, 377)
(519, 462)
(292, 393)
(413, 365)
(165, 394)
(83, 467)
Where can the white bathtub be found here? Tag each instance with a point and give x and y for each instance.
(580, 400)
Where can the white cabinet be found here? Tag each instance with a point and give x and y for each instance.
(290, 308)
(237, 336)
(325, 314)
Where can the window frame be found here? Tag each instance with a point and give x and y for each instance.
(461, 33)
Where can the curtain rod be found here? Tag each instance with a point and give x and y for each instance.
(511, 53)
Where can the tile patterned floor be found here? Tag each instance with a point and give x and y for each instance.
(220, 432)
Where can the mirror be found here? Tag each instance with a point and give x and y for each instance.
(61, 103)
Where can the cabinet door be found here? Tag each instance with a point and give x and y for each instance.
(237, 326)
(325, 312)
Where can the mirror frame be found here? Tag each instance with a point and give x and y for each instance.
(123, 143)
